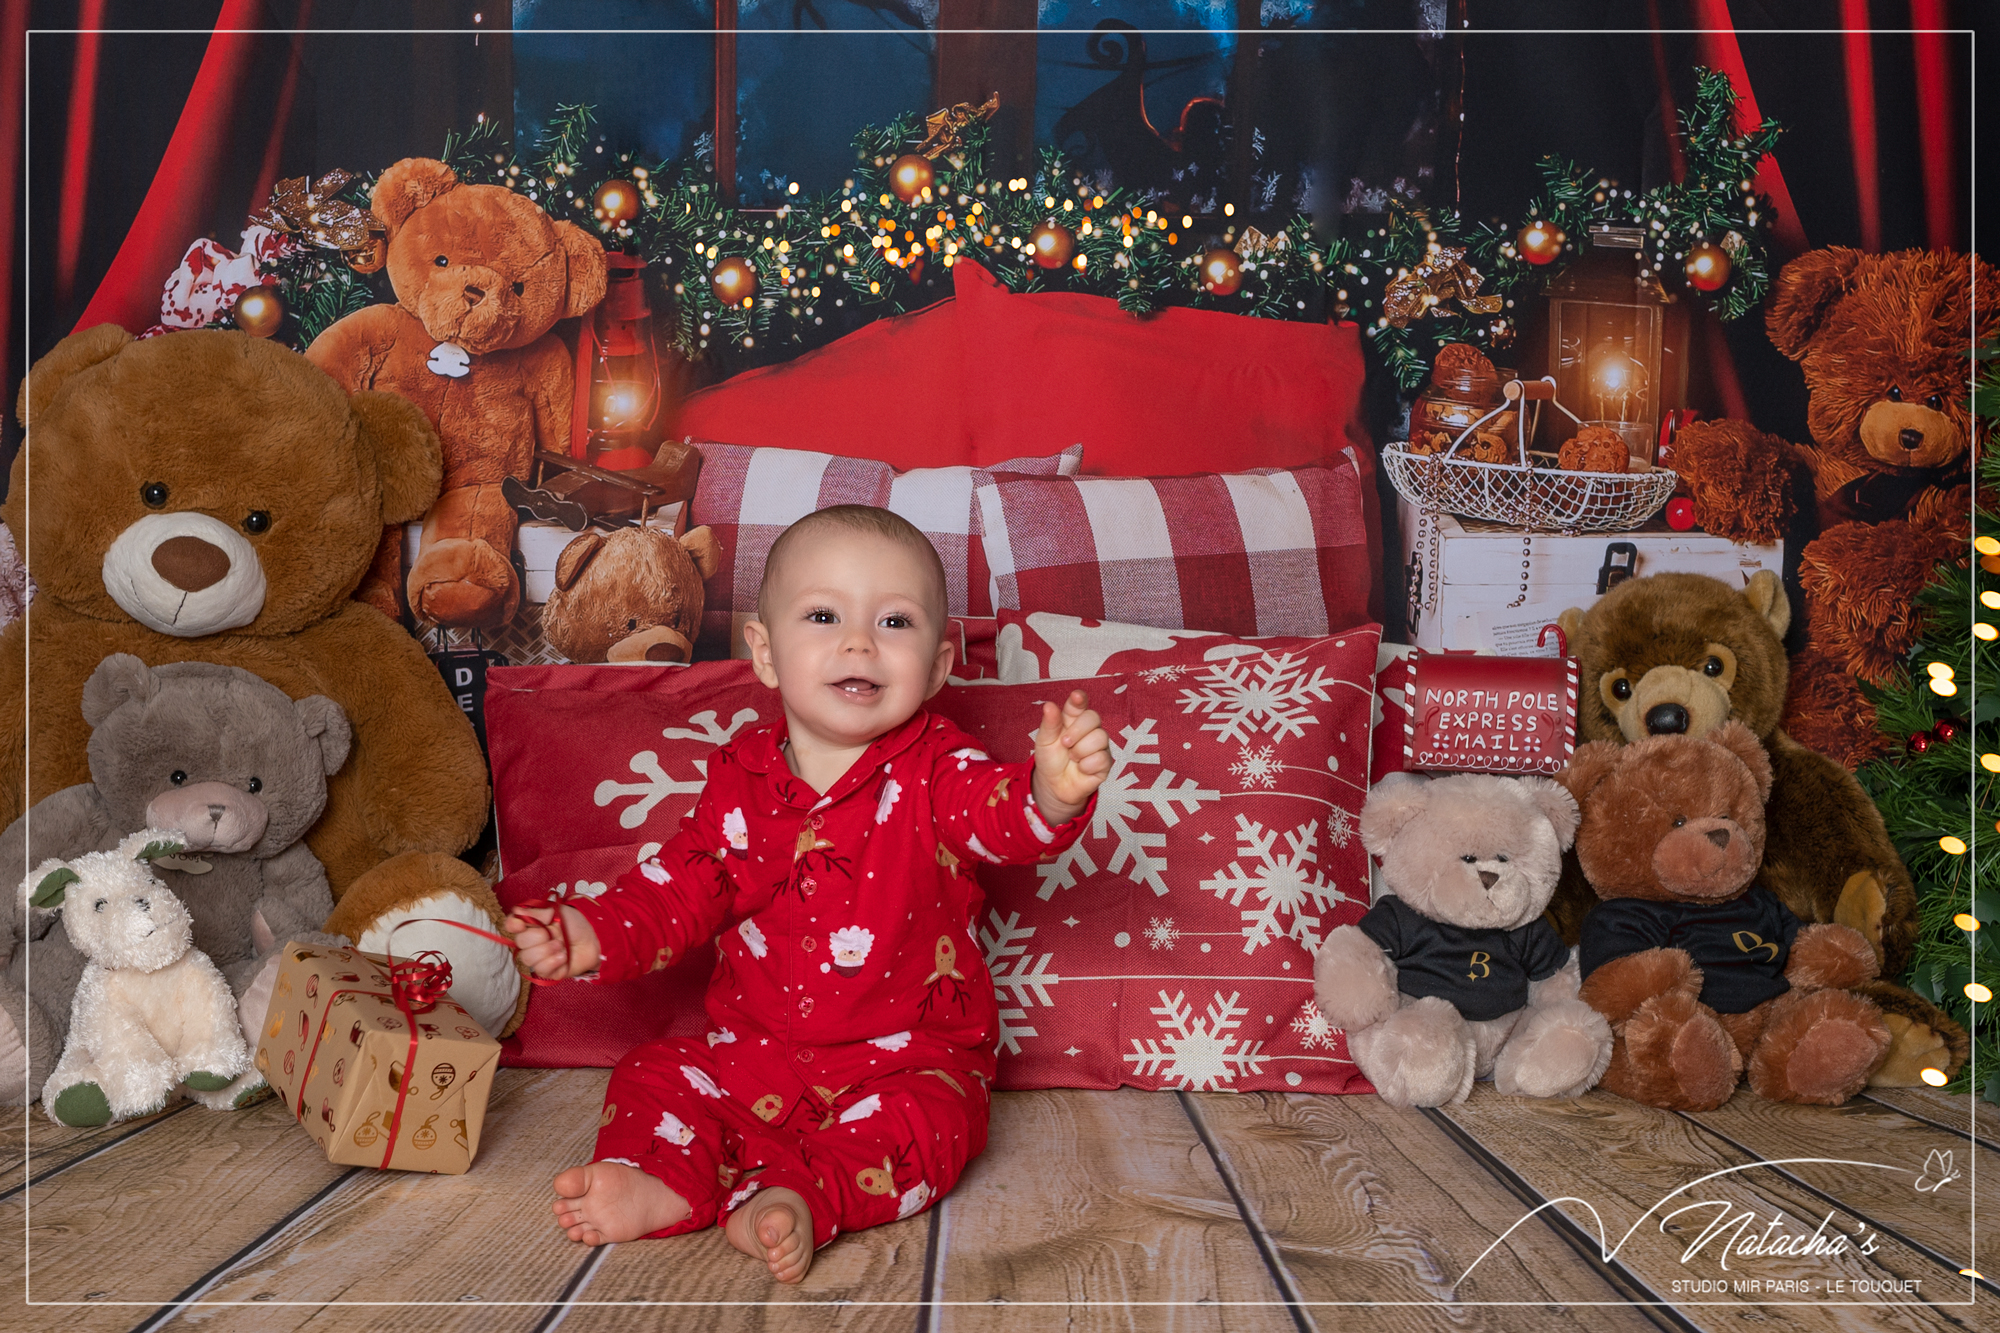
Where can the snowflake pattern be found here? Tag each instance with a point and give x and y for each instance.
(1339, 827)
(1312, 1027)
(657, 786)
(1020, 982)
(1201, 1052)
(1257, 767)
(1159, 675)
(1287, 883)
(1162, 932)
(1243, 697)
(1121, 802)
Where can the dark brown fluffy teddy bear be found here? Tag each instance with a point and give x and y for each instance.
(1680, 654)
(1700, 970)
(1882, 340)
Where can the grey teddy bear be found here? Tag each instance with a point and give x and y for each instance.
(236, 766)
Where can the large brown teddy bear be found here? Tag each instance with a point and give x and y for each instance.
(633, 596)
(207, 496)
(1680, 654)
(481, 276)
(1882, 340)
(1700, 971)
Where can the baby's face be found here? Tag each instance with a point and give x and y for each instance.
(852, 639)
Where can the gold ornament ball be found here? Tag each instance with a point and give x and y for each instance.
(370, 258)
(1707, 267)
(734, 281)
(616, 201)
(1052, 244)
(1221, 271)
(909, 176)
(1539, 243)
(259, 312)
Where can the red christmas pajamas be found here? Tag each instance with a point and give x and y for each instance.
(852, 1019)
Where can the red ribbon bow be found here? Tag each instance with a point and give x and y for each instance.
(419, 983)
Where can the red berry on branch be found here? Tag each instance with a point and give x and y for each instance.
(1919, 741)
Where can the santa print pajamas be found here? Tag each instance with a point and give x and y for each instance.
(852, 1020)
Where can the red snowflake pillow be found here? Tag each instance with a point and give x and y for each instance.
(1221, 852)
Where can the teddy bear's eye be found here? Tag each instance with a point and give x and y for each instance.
(632, 624)
(99, 905)
(1712, 667)
(1895, 394)
(520, 287)
(1679, 821)
(255, 785)
(1501, 859)
(153, 494)
(177, 777)
(442, 262)
(1621, 689)
(1468, 859)
(257, 522)
(1934, 403)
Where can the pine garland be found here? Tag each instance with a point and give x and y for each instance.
(826, 262)
(1946, 796)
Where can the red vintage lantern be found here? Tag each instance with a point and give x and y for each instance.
(616, 420)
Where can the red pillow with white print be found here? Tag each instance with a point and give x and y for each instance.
(593, 768)
(748, 496)
(1222, 850)
(1267, 552)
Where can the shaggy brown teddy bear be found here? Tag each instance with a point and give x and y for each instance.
(481, 276)
(1698, 969)
(212, 497)
(1680, 654)
(1882, 340)
(634, 596)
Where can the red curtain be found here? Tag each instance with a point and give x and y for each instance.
(13, 69)
(181, 200)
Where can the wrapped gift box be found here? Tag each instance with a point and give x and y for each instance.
(340, 1051)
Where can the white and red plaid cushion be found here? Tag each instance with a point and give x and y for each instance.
(1172, 945)
(748, 496)
(1266, 552)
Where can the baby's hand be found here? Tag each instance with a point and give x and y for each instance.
(541, 949)
(1072, 757)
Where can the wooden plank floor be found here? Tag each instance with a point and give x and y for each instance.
(1089, 1210)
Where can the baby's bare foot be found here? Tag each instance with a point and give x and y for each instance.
(775, 1225)
(601, 1202)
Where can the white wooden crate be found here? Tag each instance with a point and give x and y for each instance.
(1460, 581)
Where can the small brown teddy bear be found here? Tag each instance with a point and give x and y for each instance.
(1680, 654)
(634, 596)
(1698, 969)
(1883, 343)
(481, 276)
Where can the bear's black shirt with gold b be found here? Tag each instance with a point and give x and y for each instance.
(1482, 973)
(1740, 946)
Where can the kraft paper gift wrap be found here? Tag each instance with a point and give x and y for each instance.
(338, 1049)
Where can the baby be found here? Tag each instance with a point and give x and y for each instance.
(844, 1079)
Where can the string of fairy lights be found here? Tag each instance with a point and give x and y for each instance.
(922, 197)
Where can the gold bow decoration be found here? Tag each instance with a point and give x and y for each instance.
(310, 210)
(945, 130)
(1254, 244)
(1442, 276)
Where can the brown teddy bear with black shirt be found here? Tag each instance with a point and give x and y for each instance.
(1701, 971)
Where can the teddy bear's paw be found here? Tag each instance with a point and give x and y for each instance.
(233, 1094)
(483, 976)
(203, 1081)
(1421, 1055)
(80, 1105)
(1913, 1048)
(463, 583)
(1818, 1048)
(13, 1062)
(1676, 1055)
(1559, 1050)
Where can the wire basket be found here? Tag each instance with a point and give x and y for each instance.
(1521, 494)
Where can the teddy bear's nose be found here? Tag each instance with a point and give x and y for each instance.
(1487, 879)
(474, 294)
(190, 564)
(1719, 836)
(216, 812)
(1666, 719)
(1911, 438)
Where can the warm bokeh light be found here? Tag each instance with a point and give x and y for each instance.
(1977, 993)
(1954, 846)
(1936, 1078)
(1940, 670)
(1966, 921)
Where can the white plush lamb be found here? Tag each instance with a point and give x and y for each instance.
(151, 1011)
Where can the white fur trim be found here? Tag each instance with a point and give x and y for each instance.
(142, 593)
(483, 978)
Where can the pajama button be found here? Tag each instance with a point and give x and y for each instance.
(805, 1057)
(818, 820)
(807, 944)
(806, 1007)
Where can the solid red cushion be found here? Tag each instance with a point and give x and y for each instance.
(1177, 392)
(888, 391)
(1172, 945)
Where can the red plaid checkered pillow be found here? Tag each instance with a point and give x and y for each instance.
(1172, 945)
(1267, 552)
(748, 496)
